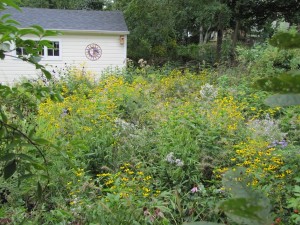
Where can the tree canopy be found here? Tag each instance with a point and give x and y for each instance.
(159, 28)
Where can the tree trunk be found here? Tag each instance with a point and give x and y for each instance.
(207, 35)
(219, 45)
(235, 33)
(200, 35)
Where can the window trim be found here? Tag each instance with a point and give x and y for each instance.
(45, 57)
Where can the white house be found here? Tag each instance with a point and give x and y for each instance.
(96, 40)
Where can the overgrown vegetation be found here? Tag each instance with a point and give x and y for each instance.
(152, 145)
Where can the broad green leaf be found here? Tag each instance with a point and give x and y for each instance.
(286, 40)
(5, 16)
(242, 207)
(46, 73)
(11, 3)
(36, 59)
(41, 141)
(50, 33)
(9, 169)
(246, 206)
(38, 166)
(3, 116)
(25, 177)
(26, 31)
(283, 83)
(27, 85)
(25, 157)
(283, 100)
(39, 29)
(39, 191)
(3, 132)
(12, 22)
(5, 47)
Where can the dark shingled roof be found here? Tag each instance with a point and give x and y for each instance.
(78, 20)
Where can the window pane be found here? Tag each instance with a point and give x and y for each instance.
(56, 44)
(19, 51)
(50, 52)
(56, 52)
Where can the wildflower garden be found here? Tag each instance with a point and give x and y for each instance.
(152, 145)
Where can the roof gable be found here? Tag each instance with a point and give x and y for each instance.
(71, 20)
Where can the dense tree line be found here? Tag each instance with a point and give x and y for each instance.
(68, 4)
(160, 28)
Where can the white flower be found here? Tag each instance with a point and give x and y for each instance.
(179, 162)
(208, 92)
(170, 157)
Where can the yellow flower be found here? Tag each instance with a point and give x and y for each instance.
(145, 194)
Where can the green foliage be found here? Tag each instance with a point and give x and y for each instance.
(245, 206)
(148, 146)
(21, 153)
(286, 84)
(68, 4)
(286, 40)
(294, 203)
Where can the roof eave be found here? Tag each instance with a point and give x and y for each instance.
(92, 31)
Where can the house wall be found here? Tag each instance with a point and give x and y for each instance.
(73, 54)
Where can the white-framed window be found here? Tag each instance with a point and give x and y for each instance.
(55, 51)
(20, 51)
(47, 53)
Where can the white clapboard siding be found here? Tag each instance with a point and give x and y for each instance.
(73, 54)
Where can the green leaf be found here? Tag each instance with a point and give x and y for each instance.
(11, 3)
(3, 132)
(286, 40)
(36, 59)
(47, 73)
(3, 116)
(9, 169)
(283, 100)
(27, 85)
(41, 141)
(283, 83)
(12, 22)
(246, 206)
(50, 33)
(5, 47)
(25, 157)
(38, 166)
(5, 16)
(39, 29)
(242, 207)
(2, 55)
(25, 177)
(39, 191)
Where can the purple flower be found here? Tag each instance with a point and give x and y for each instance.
(194, 189)
(283, 143)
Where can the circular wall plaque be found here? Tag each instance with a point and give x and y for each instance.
(93, 52)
